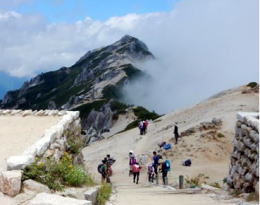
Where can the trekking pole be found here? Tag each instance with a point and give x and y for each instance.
(181, 181)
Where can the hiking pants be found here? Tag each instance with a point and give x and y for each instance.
(150, 177)
(176, 135)
(155, 169)
(136, 177)
(164, 176)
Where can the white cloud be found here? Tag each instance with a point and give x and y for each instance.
(202, 46)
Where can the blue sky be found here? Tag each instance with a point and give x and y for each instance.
(73, 10)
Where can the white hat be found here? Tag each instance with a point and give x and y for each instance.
(131, 151)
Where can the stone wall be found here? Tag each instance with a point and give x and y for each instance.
(244, 167)
(52, 144)
(54, 140)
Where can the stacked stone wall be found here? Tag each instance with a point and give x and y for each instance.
(244, 167)
(52, 144)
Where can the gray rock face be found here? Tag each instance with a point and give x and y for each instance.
(98, 122)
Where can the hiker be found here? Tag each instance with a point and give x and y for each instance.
(110, 162)
(150, 172)
(136, 172)
(141, 127)
(176, 133)
(165, 168)
(103, 170)
(132, 161)
(155, 163)
(145, 125)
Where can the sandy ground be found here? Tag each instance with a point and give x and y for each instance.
(209, 156)
(18, 133)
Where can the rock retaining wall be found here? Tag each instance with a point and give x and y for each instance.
(244, 168)
(52, 144)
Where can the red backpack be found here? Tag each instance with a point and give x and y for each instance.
(136, 168)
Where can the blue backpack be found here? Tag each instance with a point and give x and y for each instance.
(167, 146)
(167, 165)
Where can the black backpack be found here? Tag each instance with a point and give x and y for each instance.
(187, 163)
(100, 168)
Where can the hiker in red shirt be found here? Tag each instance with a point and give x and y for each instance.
(136, 172)
(145, 124)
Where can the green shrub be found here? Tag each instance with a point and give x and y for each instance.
(215, 184)
(144, 114)
(132, 125)
(57, 174)
(196, 181)
(103, 194)
(75, 176)
(220, 135)
(75, 145)
(252, 84)
(252, 197)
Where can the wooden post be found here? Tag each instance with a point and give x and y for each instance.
(181, 179)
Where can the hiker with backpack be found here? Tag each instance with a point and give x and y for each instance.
(150, 172)
(110, 162)
(141, 127)
(145, 125)
(132, 161)
(103, 170)
(136, 168)
(155, 163)
(176, 133)
(165, 168)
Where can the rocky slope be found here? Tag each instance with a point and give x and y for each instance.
(88, 85)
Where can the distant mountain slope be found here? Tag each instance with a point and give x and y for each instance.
(8, 82)
(89, 85)
(83, 81)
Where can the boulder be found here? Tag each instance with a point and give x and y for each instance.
(35, 186)
(19, 162)
(53, 199)
(91, 194)
(10, 182)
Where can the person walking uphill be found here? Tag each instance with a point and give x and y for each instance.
(136, 172)
(176, 133)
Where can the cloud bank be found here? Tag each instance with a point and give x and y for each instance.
(201, 47)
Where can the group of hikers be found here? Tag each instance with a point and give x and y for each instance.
(157, 165)
(143, 127)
